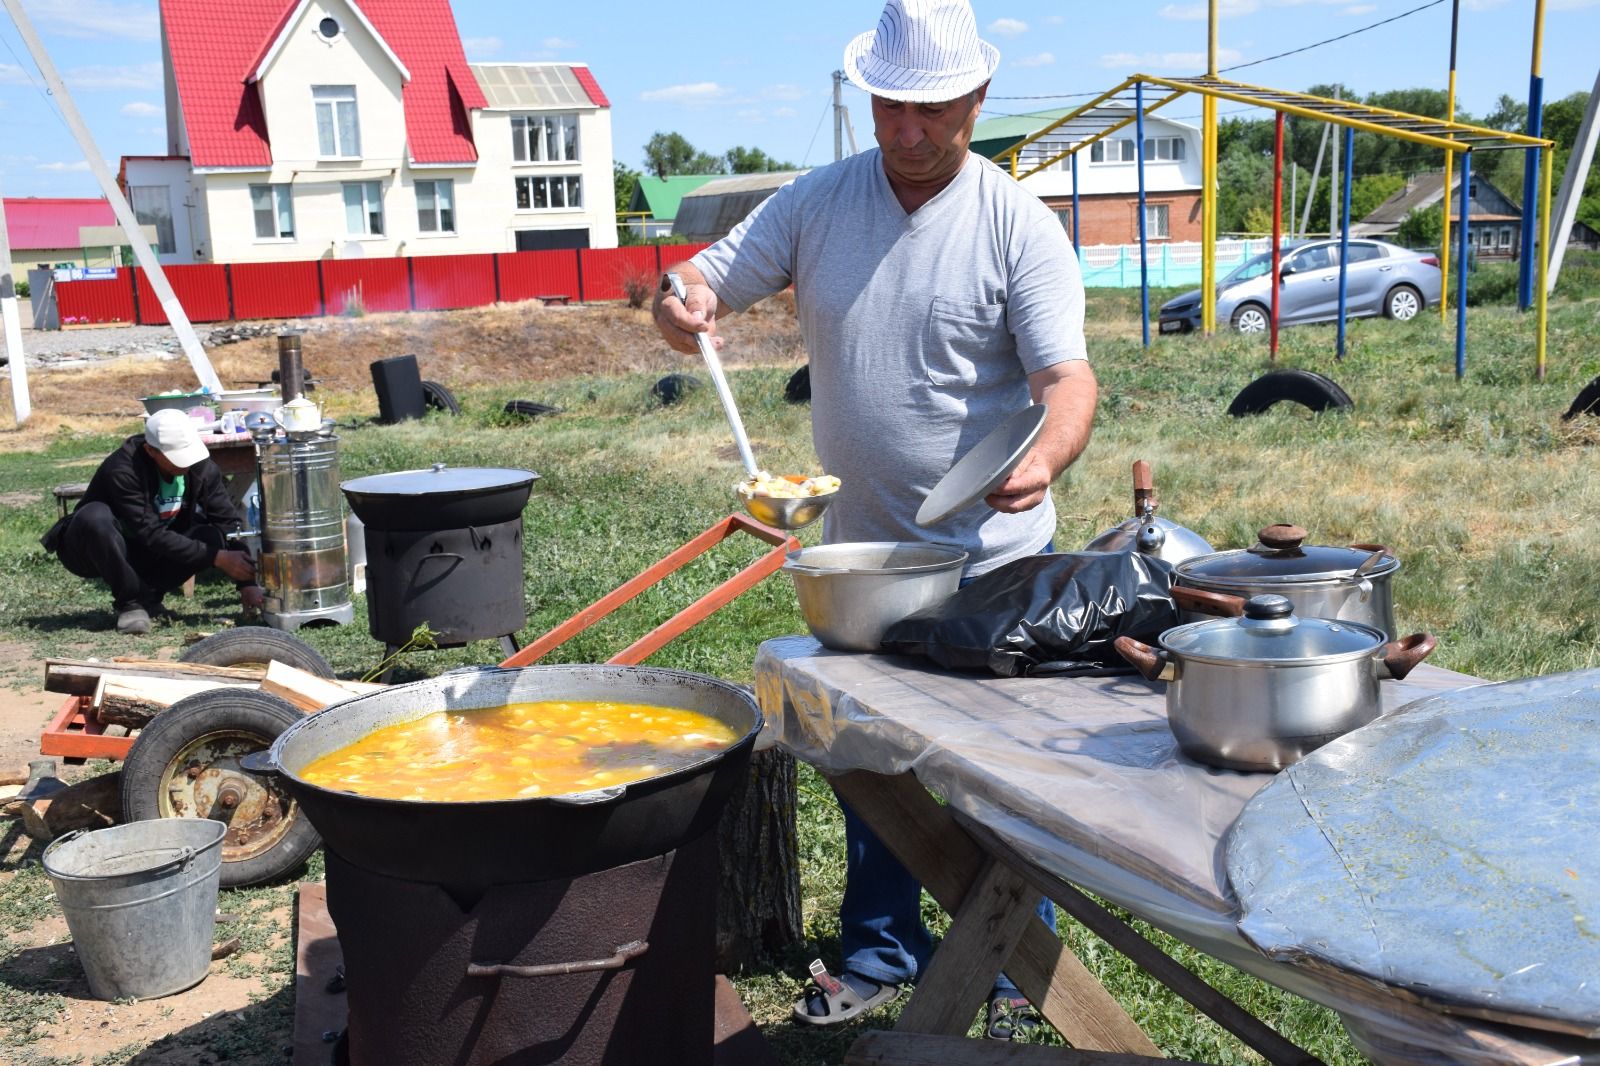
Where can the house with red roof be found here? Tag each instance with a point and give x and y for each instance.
(47, 232)
(303, 129)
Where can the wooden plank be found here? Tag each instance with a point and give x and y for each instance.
(883, 1048)
(92, 804)
(1157, 963)
(982, 936)
(925, 838)
(77, 677)
(306, 690)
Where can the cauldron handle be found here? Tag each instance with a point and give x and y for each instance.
(620, 958)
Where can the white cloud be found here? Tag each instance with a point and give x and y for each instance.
(557, 43)
(1008, 27)
(1359, 9)
(1149, 62)
(481, 46)
(699, 93)
(97, 18)
(82, 164)
(144, 77)
(11, 74)
(752, 115)
(1043, 59)
(785, 92)
(140, 109)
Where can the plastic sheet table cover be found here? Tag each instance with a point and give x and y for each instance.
(1452, 849)
(1083, 778)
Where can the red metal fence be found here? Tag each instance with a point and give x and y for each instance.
(230, 292)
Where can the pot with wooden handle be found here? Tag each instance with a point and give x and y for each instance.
(1259, 691)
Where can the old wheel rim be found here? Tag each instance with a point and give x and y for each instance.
(204, 780)
(1403, 305)
(1251, 321)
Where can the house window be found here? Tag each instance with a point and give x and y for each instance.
(152, 206)
(436, 207)
(1155, 220)
(544, 138)
(1064, 216)
(1505, 236)
(338, 130)
(1163, 148)
(273, 206)
(549, 193)
(1119, 151)
(329, 28)
(363, 208)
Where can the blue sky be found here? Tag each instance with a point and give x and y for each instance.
(758, 74)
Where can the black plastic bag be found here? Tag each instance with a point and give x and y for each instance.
(1045, 614)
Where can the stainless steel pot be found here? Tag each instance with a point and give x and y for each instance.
(1259, 692)
(850, 593)
(1351, 583)
(1146, 531)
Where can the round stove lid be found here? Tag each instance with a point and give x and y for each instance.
(440, 478)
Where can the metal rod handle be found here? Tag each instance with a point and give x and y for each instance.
(708, 352)
(620, 958)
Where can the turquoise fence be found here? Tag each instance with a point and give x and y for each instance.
(1116, 266)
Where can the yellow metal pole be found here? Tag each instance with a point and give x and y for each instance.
(1542, 297)
(1208, 178)
(1449, 165)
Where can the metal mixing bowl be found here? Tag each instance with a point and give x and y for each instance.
(851, 593)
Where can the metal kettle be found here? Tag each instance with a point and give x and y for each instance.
(1148, 533)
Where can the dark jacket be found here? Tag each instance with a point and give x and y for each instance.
(126, 482)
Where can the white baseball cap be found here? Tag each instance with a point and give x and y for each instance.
(172, 433)
(923, 52)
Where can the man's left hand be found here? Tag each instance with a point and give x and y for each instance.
(253, 596)
(1025, 489)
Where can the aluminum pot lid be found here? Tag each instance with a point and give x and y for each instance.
(455, 480)
(1281, 557)
(1270, 631)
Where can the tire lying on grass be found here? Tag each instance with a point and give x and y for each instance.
(1587, 402)
(1296, 386)
(256, 646)
(439, 398)
(798, 387)
(185, 764)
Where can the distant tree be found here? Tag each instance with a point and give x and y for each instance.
(753, 161)
(671, 153)
(1509, 114)
(1368, 192)
(1422, 228)
(624, 181)
(1244, 180)
(1258, 219)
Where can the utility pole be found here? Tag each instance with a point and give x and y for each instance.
(1294, 194)
(838, 115)
(1316, 172)
(1333, 181)
(11, 328)
(1572, 183)
(142, 251)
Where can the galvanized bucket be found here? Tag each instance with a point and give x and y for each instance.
(141, 902)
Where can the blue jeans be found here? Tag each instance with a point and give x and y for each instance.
(881, 932)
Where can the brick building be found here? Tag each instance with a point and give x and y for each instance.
(1108, 176)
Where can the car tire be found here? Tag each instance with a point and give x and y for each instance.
(188, 755)
(256, 646)
(1587, 402)
(1296, 386)
(440, 398)
(1403, 303)
(1252, 318)
(798, 387)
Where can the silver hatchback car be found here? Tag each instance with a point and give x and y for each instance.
(1383, 279)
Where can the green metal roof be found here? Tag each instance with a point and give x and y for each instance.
(660, 196)
(992, 136)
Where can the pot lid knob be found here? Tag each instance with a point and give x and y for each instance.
(1282, 536)
(437, 467)
(1268, 607)
(1150, 538)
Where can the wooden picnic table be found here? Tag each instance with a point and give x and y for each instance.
(1061, 787)
(235, 456)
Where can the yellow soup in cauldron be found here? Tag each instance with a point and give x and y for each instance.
(548, 748)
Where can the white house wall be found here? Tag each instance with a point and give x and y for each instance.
(1122, 178)
(498, 173)
(187, 201)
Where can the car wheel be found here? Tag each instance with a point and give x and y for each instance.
(1402, 304)
(1297, 386)
(1251, 318)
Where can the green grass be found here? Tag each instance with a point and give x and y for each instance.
(1487, 497)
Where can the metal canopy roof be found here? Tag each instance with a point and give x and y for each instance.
(513, 86)
(1113, 110)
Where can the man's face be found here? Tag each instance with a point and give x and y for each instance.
(163, 464)
(925, 144)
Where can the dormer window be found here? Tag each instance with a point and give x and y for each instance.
(338, 129)
(328, 28)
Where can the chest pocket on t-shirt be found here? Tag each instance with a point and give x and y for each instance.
(967, 344)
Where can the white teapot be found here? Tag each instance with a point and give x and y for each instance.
(299, 415)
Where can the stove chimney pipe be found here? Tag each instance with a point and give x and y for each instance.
(291, 371)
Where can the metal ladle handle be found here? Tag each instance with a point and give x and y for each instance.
(708, 352)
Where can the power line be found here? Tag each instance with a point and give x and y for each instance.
(825, 108)
(1331, 40)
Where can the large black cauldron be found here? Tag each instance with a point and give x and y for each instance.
(472, 845)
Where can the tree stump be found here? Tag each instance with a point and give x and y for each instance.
(758, 903)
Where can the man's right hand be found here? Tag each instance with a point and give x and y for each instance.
(236, 564)
(679, 322)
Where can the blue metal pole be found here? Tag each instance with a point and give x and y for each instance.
(1530, 195)
(1076, 246)
(1463, 244)
(1144, 255)
(1344, 232)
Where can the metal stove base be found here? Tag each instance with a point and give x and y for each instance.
(342, 615)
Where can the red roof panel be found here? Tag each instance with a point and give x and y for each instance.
(34, 222)
(590, 86)
(214, 47)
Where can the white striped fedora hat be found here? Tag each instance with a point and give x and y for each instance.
(923, 51)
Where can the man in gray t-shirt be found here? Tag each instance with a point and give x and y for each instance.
(936, 298)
